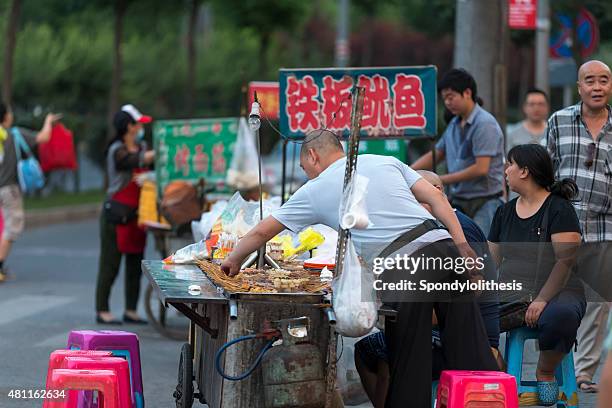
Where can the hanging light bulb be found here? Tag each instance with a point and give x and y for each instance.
(254, 117)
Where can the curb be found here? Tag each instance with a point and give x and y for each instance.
(41, 218)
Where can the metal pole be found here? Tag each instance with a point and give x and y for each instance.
(542, 46)
(262, 250)
(342, 44)
(284, 172)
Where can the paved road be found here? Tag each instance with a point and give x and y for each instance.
(53, 292)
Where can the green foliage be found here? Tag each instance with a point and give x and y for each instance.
(63, 57)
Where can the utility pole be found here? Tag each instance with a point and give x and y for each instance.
(342, 43)
(542, 46)
(481, 32)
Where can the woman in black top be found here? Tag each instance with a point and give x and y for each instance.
(534, 239)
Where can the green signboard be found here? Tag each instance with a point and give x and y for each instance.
(193, 149)
(387, 147)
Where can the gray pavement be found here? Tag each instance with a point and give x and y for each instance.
(54, 269)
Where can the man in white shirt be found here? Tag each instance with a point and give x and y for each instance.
(393, 197)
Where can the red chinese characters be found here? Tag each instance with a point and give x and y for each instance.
(181, 160)
(336, 95)
(200, 160)
(302, 106)
(376, 102)
(408, 102)
(219, 163)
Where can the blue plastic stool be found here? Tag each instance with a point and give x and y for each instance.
(527, 390)
(434, 393)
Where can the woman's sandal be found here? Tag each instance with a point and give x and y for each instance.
(548, 392)
(587, 386)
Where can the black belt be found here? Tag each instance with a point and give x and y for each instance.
(409, 236)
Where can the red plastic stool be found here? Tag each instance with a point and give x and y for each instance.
(57, 358)
(116, 364)
(472, 389)
(103, 381)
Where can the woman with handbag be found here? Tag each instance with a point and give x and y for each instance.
(534, 239)
(15, 146)
(120, 233)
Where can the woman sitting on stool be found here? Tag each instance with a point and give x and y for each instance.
(534, 239)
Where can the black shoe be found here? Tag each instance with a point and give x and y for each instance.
(128, 319)
(114, 322)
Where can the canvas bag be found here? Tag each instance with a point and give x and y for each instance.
(29, 173)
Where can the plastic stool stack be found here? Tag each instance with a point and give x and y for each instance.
(115, 364)
(106, 362)
(103, 381)
(527, 390)
(472, 389)
(120, 344)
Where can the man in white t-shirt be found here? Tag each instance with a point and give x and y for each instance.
(392, 201)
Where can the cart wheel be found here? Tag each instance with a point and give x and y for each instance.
(184, 389)
(156, 315)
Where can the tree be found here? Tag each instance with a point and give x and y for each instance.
(113, 99)
(9, 51)
(263, 17)
(481, 50)
(190, 90)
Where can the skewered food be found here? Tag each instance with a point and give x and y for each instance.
(264, 281)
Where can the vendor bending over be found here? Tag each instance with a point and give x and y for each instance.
(394, 193)
(371, 352)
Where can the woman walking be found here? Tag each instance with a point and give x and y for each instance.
(119, 232)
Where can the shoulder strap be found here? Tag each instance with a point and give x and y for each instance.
(543, 232)
(20, 143)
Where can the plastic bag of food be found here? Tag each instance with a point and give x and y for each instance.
(242, 173)
(202, 228)
(239, 216)
(308, 239)
(188, 254)
(353, 297)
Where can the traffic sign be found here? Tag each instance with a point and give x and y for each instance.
(587, 35)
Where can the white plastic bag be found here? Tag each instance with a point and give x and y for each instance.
(240, 216)
(347, 377)
(353, 297)
(243, 171)
(353, 210)
(189, 254)
(202, 228)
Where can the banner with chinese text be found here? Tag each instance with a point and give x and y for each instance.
(193, 149)
(399, 101)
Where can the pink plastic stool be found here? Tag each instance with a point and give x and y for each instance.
(471, 389)
(103, 381)
(121, 344)
(116, 364)
(57, 358)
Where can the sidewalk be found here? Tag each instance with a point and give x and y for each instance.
(57, 215)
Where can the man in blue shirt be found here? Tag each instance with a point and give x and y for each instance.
(473, 147)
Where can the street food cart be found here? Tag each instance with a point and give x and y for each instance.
(218, 317)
